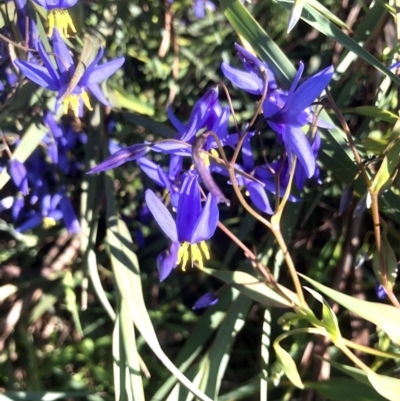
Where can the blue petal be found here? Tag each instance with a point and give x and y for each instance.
(249, 58)
(64, 59)
(70, 220)
(37, 74)
(247, 81)
(272, 105)
(124, 155)
(173, 147)
(296, 80)
(19, 175)
(96, 91)
(259, 197)
(166, 261)
(175, 167)
(35, 220)
(201, 111)
(91, 67)
(17, 207)
(114, 146)
(381, 292)
(102, 72)
(296, 142)
(180, 127)
(206, 300)
(220, 126)
(47, 63)
(198, 8)
(161, 215)
(151, 170)
(247, 153)
(207, 222)
(310, 90)
(189, 208)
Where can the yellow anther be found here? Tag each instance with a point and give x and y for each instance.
(214, 152)
(183, 255)
(86, 101)
(195, 253)
(206, 158)
(204, 248)
(61, 20)
(48, 222)
(73, 101)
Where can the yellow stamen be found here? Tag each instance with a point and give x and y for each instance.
(183, 255)
(61, 20)
(48, 222)
(73, 101)
(214, 152)
(196, 252)
(204, 248)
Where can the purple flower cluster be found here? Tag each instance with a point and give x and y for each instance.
(42, 197)
(289, 113)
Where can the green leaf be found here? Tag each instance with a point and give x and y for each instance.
(122, 99)
(390, 261)
(386, 386)
(328, 14)
(43, 395)
(386, 317)
(329, 318)
(387, 168)
(219, 353)
(323, 25)
(373, 112)
(133, 375)
(199, 337)
(288, 364)
(343, 389)
(71, 301)
(255, 289)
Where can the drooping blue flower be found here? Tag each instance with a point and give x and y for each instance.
(193, 226)
(58, 16)
(206, 300)
(58, 79)
(288, 113)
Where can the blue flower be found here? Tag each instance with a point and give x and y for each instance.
(193, 226)
(287, 113)
(58, 79)
(251, 80)
(206, 300)
(58, 15)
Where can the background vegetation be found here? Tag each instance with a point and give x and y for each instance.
(68, 301)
